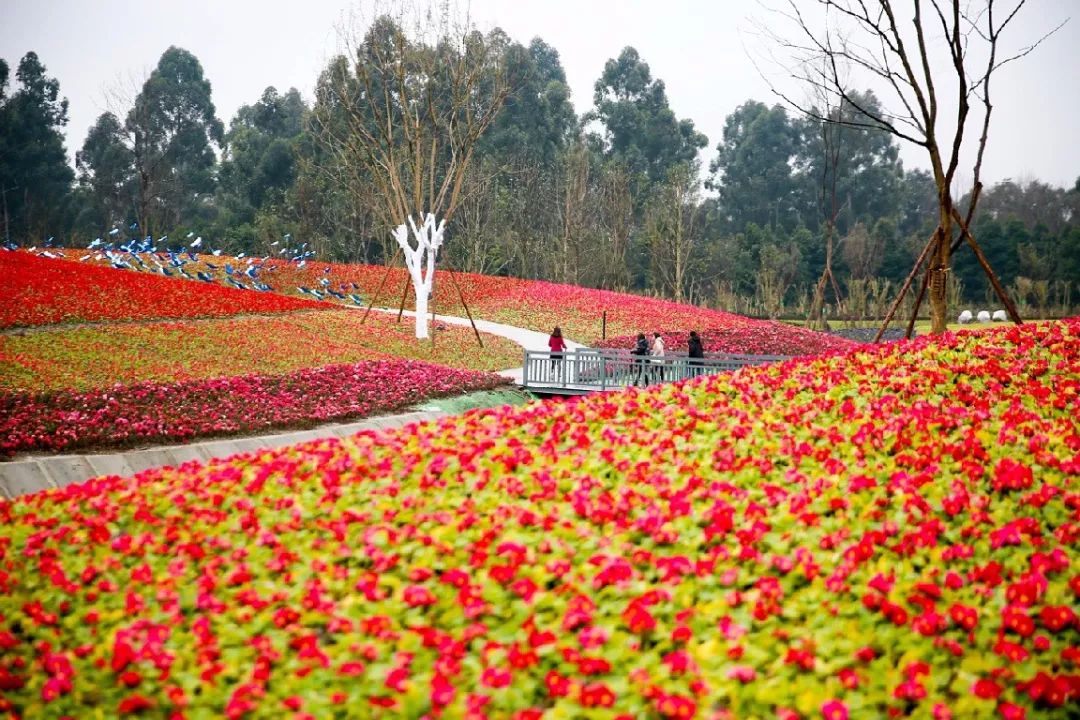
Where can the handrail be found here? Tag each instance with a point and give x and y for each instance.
(598, 369)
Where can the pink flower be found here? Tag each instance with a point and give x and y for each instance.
(834, 710)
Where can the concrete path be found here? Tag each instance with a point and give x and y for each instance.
(32, 474)
(527, 339)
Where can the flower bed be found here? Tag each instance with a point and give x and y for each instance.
(145, 412)
(43, 291)
(532, 304)
(94, 357)
(540, 306)
(888, 533)
(749, 338)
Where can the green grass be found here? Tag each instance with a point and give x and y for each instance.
(482, 399)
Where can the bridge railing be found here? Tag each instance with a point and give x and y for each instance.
(589, 370)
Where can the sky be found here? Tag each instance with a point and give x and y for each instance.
(709, 53)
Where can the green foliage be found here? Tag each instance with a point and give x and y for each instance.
(852, 173)
(538, 119)
(106, 174)
(640, 129)
(35, 179)
(173, 129)
(258, 171)
(753, 167)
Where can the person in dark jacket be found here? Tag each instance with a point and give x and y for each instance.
(696, 353)
(641, 351)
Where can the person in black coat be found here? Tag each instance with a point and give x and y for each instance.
(641, 350)
(696, 353)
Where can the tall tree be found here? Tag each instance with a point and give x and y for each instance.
(753, 169)
(640, 128)
(258, 168)
(671, 229)
(35, 178)
(878, 39)
(403, 112)
(106, 172)
(509, 206)
(172, 130)
(852, 175)
(537, 119)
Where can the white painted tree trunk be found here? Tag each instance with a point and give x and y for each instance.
(420, 262)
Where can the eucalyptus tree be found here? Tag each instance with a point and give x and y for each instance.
(753, 171)
(172, 131)
(105, 166)
(35, 178)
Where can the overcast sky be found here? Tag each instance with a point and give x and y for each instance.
(701, 49)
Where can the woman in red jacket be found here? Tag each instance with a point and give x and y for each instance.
(558, 346)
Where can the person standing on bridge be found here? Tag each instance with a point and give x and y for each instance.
(696, 353)
(657, 352)
(558, 347)
(641, 350)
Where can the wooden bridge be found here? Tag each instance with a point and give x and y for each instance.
(584, 371)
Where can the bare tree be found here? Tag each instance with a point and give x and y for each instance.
(402, 111)
(830, 137)
(670, 226)
(617, 219)
(573, 188)
(872, 37)
(478, 238)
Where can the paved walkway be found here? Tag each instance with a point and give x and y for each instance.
(527, 339)
(33, 474)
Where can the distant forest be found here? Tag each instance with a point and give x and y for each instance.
(615, 198)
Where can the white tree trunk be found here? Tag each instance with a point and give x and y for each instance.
(429, 238)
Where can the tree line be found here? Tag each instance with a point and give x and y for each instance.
(613, 198)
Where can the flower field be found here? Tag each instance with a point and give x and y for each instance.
(96, 357)
(43, 291)
(537, 305)
(178, 411)
(540, 306)
(751, 337)
(889, 533)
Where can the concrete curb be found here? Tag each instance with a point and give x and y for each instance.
(22, 477)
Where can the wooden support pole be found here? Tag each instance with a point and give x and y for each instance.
(918, 304)
(461, 297)
(431, 333)
(906, 285)
(404, 294)
(1009, 307)
(375, 297)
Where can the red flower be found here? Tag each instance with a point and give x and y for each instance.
(1008, 711)
(964, 616)
(557, 685)
(134, 704)
(597, 695)
(676, 706)
(1056, 618)
(496, 677)
(986, 689)
(442, 691)
(1011, 475)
